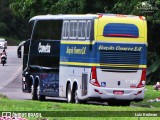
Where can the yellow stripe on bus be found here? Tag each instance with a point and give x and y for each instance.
(106, 39)
(98, 64)
(121, 40)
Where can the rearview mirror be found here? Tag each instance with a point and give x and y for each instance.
(19, 53)
(19, 50)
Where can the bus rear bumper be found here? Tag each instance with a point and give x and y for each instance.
(132, 94)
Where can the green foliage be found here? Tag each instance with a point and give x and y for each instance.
(122, 6)
(29, 8)
(8, 24)
(49, 108)
(3, 3)
(11, 41)
(97, 6)
(4, 29)
(25, 9)
(3, 96)
(68, 7)
(150, 94)
(151, 10)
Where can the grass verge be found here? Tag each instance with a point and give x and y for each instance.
(65, 111)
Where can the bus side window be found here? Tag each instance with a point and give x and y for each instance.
(88, 29)
(76, 29)
(81, 29)
(73, 29)
(65, 31)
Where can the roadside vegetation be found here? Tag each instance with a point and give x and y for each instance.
(152, 98)
(13, 27)
(86, 110)
(3, 96)
(16, 13)
(11, 41)
(49, 105)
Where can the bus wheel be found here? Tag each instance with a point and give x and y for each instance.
(69, 94)
(76, 99)
(34, 92)
(40, 97)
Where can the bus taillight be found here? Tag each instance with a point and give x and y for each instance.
(94, 80)
(143, 78)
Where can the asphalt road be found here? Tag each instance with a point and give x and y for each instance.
(10, 76)
(11, 68)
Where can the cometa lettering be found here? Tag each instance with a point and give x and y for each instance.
(44, 48)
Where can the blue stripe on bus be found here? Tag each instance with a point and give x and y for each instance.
(111, 53)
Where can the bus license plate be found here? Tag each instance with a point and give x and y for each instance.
(118, 92)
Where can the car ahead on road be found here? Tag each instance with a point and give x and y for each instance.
(3, 43)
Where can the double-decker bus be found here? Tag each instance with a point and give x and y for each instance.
(99, 57)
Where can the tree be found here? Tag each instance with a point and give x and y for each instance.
(150, 9)
(68, 7)
(4, 31)
(3, 3)
(29, 8)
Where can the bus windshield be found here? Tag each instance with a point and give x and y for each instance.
(48, 30)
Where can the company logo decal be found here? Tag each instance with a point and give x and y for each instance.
(44, 48)
(150, 6)
(102, 47)
(75, 50)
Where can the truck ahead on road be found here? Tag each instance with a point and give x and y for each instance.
(99, 57)
(3, 43)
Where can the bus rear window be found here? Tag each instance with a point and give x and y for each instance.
(121, 30)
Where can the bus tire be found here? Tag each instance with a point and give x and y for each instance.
(69, 94)
(76, 99)
(40, 97)
(34, 92)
